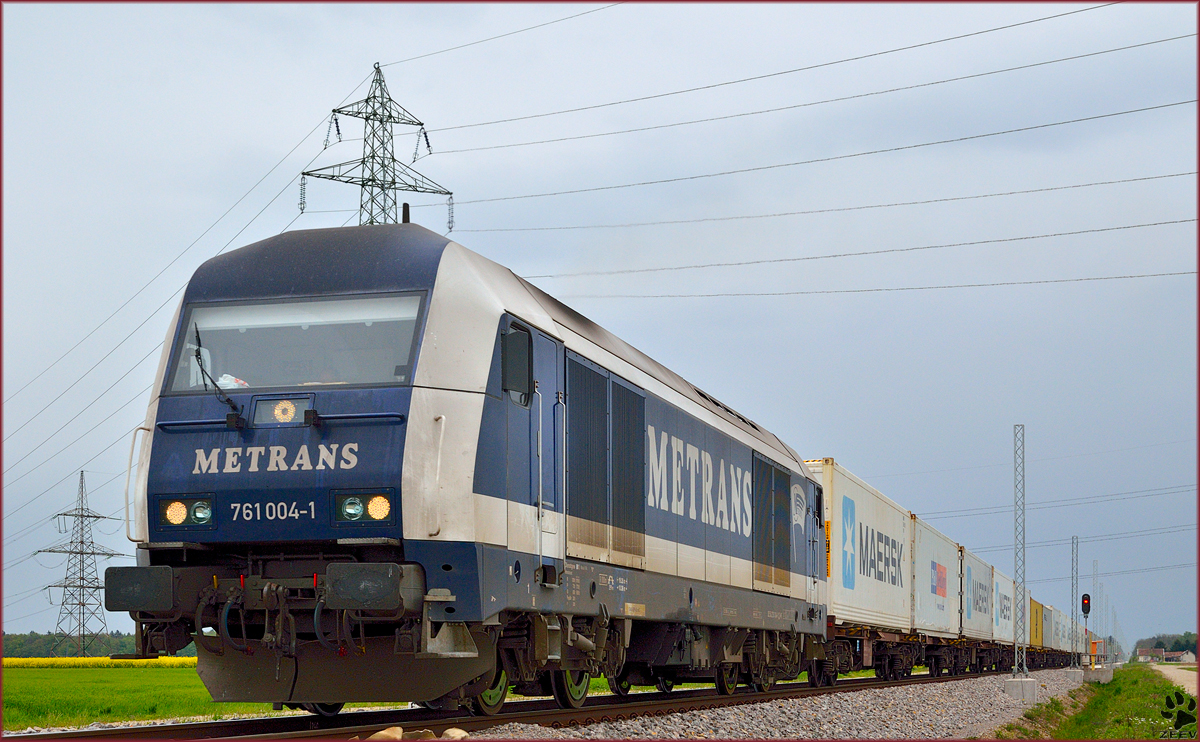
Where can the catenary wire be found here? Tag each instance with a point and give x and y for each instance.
(832, 158)
(501, 36)
(886, 251)
(808, 104)
(772, 74)
(774, 215)
(876, 290)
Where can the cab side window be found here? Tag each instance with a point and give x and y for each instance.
(516, 365)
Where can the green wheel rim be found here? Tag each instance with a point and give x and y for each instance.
(495, 694)
(577, 683)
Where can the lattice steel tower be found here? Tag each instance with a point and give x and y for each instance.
(81, 614)
(1019, 631)
(378, 173)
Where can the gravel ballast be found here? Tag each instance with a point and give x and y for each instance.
(955, 709)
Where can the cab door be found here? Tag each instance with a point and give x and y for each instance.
(548, 436)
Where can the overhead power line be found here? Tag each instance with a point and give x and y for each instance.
(862, 253)
(260, 181)
(501, 36)
(1048, 458)
(124, 436)
(1093, 539)
(1163, 568)
(773, 74)
(141, 394)
(1177, 489)
(796, 106)
(807, 212)
(832, 158)
(874, 291)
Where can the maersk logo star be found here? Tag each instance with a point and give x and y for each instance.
(848, 523)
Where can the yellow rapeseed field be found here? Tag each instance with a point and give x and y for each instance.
(61, 662)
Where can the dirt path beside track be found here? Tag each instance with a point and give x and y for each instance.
(1179, 675)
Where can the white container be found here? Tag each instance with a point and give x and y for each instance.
(976, 593)
(870, 551)
(1002, 607)
(934, 581)
(1048, 626)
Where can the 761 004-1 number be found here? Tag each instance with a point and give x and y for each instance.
(272, 510)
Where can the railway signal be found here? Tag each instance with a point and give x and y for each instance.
(1087, 604)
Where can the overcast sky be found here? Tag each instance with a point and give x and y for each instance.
(131, 130)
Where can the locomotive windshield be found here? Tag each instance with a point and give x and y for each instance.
(310, 343)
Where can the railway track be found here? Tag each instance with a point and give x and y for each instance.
(544, 712)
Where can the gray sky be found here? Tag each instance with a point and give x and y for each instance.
(131, 129)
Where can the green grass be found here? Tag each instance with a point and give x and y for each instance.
(77, 696)
(1127, 708)
(68, 697)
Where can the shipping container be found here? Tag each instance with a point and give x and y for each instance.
(976, 594)
(934, 581)
(1035, 623)
(1047, 626)
(1002, 608)
(871, 551)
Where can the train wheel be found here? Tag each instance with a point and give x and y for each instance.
(488, 703)
(570, 687)
(664, 685)
(829, 674)
(323, 709)
(766, 683)
(727, 679)
(814, 674)
(620, 685)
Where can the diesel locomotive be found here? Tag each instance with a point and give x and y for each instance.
(377, 466)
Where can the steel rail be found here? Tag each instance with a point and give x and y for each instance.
(544, 712)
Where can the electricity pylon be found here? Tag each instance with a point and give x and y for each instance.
(378, 173)
(81, 614)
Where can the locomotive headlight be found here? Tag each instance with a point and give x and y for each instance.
(379, 507)
(186, 511)
(352, 508)
(201, 511)
(176, 513)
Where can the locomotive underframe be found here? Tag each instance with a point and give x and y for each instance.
(279, 627)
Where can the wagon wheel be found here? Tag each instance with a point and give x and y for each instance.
(620, 685)
(488, 702)
(727, 679)
(323, 709)
(570, 687)
(764, 683)
(664, 685)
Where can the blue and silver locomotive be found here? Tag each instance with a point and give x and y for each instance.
(377, 466)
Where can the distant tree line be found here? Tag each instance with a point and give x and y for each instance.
(34, 644)
(1185, 642)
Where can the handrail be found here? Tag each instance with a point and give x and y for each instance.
(128, 474)
(312, 417)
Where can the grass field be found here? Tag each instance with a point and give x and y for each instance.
(61, 693)
(1127, 708)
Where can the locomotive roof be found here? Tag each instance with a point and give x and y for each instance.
(399, 257)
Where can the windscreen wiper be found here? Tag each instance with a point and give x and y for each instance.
(233, 419)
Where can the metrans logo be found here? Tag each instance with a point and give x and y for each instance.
(848, 543)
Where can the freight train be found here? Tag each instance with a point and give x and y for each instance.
(377, 466)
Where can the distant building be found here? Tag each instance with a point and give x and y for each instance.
(1184, 656)
(1152, 655)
